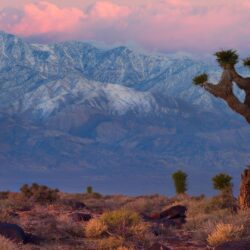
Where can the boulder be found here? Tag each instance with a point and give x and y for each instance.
(77, 217)
(174, 212)
(173, 215)
(234, 245)
(158, 246)
(12, 232)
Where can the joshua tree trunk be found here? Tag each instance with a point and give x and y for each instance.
(244, 197)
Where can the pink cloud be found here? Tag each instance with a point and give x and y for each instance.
(156, 24)
(45, 17)
(108, 10)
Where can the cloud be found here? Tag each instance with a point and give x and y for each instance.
(44, 17)
(163, 25)
(108, 10)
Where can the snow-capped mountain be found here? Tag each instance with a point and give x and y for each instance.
(73, 108)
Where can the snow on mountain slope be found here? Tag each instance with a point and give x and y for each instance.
(113, 99)
(25, 67)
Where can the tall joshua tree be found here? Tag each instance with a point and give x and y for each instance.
(227, 59)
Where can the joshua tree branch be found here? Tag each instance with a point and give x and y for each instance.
(242, 82)
(224, 90)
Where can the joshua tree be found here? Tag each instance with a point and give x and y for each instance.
(222, 182)
(89, 190)
(180, 182)
(244, 198)
(227, 60)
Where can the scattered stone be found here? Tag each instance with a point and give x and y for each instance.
(158, 246)
(77, 217)
(12, 232)
(234, 245)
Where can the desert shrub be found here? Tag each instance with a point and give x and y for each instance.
(110, 243)
(180, 181)
(6, 244)
(95, 228)
(4, 195)
(223, 233)
(121, 222)
(223, 201)
(39, 193)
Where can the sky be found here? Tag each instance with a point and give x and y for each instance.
(155, 25)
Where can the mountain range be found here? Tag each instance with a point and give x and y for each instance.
(73, 114)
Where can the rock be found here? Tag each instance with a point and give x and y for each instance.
(173, 216)
(77, 217)
(234, 245)
(158, 246)
(174, 212)
(12, 232)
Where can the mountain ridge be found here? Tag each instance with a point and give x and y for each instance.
(74, 109)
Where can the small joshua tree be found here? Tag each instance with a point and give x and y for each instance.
(89, 190)
(222, 182)
(227, 59)
(180, 181)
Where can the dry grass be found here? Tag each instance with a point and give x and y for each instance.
(95, 228)
(110, 243)
(150, 204)
(6, 244)
(123, 223)
(224, 233)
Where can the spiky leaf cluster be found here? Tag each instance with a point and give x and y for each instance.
(200, 79)
(246, 62)
(227, 58)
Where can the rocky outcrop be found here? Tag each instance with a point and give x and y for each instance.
(172, 213)
(12, 232)
(244, 196)
(234, 245)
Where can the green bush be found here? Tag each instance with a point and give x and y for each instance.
(39, 193)
(180, 181)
